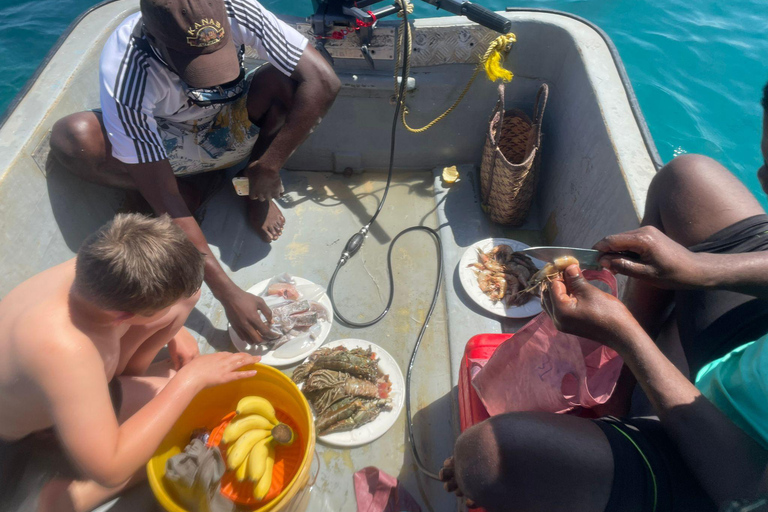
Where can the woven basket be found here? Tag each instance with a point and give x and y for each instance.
(511, 160)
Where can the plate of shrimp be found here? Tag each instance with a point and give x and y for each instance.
(496, 276)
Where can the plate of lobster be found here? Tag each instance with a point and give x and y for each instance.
(497, 277)
(356, 390)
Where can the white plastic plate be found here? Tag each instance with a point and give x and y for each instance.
(468, 280)
(375, 429)
(267, 356)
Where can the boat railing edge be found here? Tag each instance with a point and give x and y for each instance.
(55, 48)
(634, 104)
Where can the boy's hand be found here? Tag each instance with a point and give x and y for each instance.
(213, 369)
(579, 308)
(182, 349)
(662, 261)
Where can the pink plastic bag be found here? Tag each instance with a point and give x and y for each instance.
(543, 369)
(377, 491)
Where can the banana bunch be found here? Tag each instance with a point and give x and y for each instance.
(251, 438)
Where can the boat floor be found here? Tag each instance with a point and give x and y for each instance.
(322, 211)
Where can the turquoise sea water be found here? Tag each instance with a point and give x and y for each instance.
(697, 66)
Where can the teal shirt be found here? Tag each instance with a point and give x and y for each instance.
(737, 384)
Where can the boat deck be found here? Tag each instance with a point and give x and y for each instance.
(322, 210)
(595, 170)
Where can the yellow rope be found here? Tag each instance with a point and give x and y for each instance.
(491, 61)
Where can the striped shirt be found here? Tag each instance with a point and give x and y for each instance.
(136, 90)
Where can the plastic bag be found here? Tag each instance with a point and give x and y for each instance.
(543, 369)
(296, 315)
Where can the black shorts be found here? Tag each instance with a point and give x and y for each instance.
(712, 323)
(649, 475)
(648, 468)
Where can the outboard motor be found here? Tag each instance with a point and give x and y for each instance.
(357, 16)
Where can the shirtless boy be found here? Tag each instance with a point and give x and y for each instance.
(77, 343)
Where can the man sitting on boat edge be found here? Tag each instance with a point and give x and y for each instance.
(694, 333)
(176, 100)
(77, 343)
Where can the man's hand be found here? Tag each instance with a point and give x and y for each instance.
(264, 183)
(182, 349)
(213, 369)
(662, 261)
(577, 307)
(242, 310)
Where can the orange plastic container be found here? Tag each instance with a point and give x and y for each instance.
(207, 410)
(287, 462)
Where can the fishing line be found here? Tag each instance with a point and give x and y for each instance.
(356, 242)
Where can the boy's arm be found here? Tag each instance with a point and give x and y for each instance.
(73, 380)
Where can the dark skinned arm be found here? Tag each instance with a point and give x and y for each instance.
(317, 87)
(156, 182)
(667, 264)
(728, 463)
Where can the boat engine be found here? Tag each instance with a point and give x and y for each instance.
(356, 15)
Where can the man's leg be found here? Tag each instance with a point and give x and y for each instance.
(533, 462)
(270, 98)
(690, 199)
(80, 145)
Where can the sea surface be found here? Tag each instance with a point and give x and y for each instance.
(698, 67)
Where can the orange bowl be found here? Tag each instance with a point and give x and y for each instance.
(287, 464)
(207, 410)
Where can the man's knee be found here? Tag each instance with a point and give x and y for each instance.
(270, 88)
(79, 136)
(686, 169)
(477, 460)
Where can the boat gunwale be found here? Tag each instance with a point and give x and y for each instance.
(17, 99)
(634, 104)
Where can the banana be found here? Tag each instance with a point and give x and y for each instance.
(262, 488)
(242, 424)
(242, 447)
(257, 405)
(242, 470)
(257, 460)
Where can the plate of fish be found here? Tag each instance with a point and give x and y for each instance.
(356, 390)
(302, 317)
(496, 276)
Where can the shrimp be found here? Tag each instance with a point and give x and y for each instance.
(502, 253)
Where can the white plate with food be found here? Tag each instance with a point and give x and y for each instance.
(380, 408)
(299, 348)
(498, 296)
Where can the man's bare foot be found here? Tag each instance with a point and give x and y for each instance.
(448, 477)
(266, 219)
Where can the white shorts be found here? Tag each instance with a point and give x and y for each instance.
(218, 143)
(224, 140)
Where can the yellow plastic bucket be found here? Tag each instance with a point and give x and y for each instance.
(206, 411)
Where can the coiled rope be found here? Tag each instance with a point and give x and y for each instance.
(491, 61)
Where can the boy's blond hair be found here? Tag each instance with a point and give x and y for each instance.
(138, 264)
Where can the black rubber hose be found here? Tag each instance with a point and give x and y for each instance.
(358, 244)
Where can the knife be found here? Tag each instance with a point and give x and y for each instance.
(587, 258)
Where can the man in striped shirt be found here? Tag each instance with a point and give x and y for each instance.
(176, 100)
